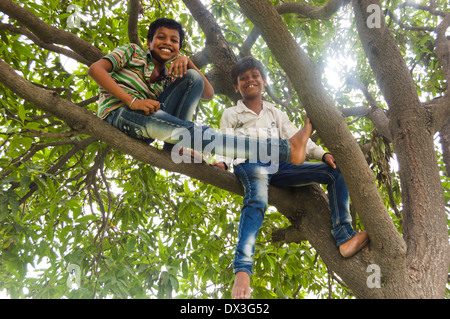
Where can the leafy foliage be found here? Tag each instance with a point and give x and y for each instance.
(69, 203)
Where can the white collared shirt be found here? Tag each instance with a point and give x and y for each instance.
(269, 123)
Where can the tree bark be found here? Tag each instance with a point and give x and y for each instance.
(424, 219)
(49, 34)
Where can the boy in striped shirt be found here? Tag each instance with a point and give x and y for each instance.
(141, 80)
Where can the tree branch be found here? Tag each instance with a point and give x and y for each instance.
(217, 49)
(246, 47)
(134, 9)
(408, 27)
(49, 34)
(307, 11)
(439, 110)
(375, 114)
(63, 160)
(42, 44)
(431, 8)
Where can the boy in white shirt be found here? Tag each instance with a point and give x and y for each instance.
(254, 117)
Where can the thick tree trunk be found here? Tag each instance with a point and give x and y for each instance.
(424, 220)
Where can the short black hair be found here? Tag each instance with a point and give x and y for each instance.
(169, 24)
(245, 64)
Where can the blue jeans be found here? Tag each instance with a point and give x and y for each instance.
(181, 98)
(171, 125)
(256, 177)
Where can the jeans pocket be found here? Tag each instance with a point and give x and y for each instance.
(122, 119)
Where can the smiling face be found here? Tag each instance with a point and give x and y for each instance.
(250, 84)
(165, 45)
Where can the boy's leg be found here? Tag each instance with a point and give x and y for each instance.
(321, 173)
(165, 127)
(181, 97)
(255, 180)
(299, 141)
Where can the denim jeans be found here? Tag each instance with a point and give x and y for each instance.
(256, 177)
(171, 125)
(181, 98)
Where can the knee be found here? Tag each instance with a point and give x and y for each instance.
(194, 76)
(195, 80)
(258, 201)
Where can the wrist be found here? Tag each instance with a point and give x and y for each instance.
(190, 64)
(132, 101)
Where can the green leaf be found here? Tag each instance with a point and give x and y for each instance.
(22, 113)
(130, 245)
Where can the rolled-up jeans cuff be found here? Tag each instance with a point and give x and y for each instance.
(288, 151)
(344, 234)
(282, 147)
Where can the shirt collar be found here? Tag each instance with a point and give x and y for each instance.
(241, 108)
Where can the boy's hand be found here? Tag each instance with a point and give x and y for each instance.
(148, 106)
(219, 165)
(179, 67)
(329, 159)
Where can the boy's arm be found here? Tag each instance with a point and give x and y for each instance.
(180, 66)
(99, 72)
(329, 159)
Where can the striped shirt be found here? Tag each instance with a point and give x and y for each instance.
(132, 68)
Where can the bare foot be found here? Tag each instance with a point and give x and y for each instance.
(241, 288)
(298, 143)
(193, 155)
(354, 245)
